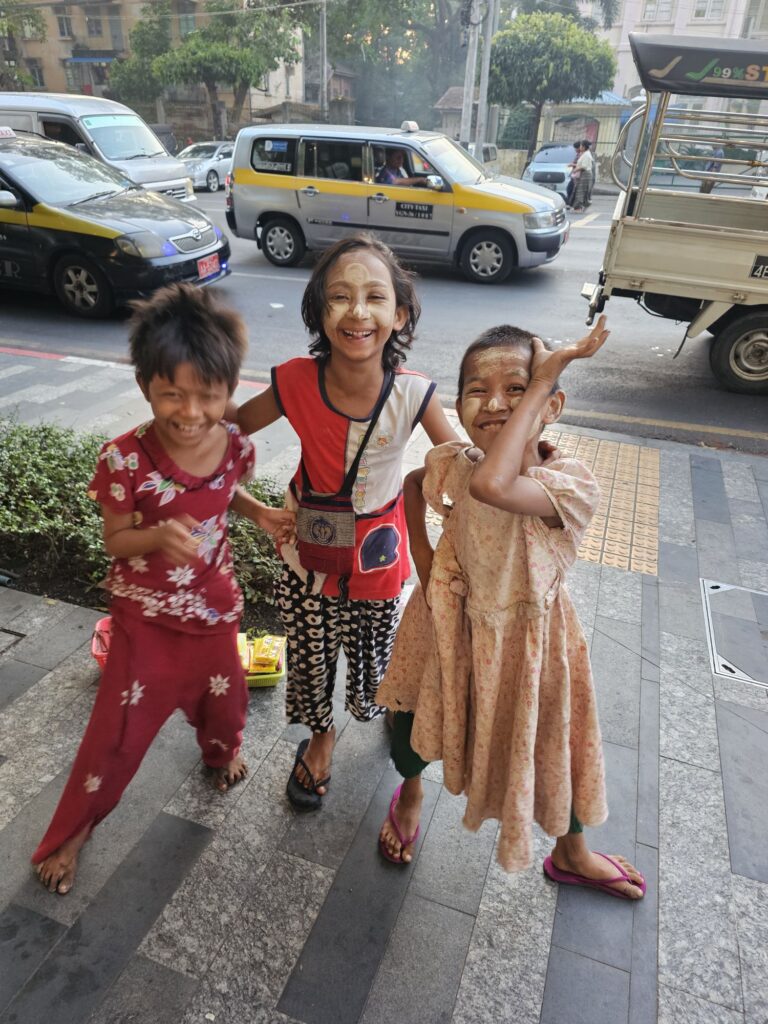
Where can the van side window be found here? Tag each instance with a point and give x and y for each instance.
(326, 158)
(59, 131)
(274, 155)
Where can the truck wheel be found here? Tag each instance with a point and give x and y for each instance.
(487, 257)
(82, 288)
(739, 355)
(282, 242)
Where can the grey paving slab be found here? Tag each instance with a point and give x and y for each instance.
(620, 594)
(146, 993)
(750, 535)
(616, 671)
(698, 942)
(8, 640)
(15, 678)
(753, 574)
(453, 863)
(760, 604)
(738, 692)
(12, 603)
(716, 549)
(744, 755)
(687, 728)
(739, 481)
(321, 989)
(676, 1007)
(643, 985)
(709, 498)
(74, 977)
(583, 991)
(650, 637)
(26, 939)
(62, 639)
(583, 585)
(628, 634)
(38, 615)
(678, 563)
(360, 759)
(685, 660)
(420, 973)
(647, 828)
(750, 905)
(680, 610)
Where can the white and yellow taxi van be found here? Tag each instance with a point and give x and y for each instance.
(296, 187)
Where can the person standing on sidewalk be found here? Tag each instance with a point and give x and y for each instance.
(354, 408)
(584, 171)
(490, 654)
(164, 489)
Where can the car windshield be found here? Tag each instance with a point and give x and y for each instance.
(59, 175)
(555, 155)
(454, 162)
(122, 136)
(198, 152)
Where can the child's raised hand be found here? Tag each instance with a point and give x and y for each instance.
(176, 540)
(546, 366)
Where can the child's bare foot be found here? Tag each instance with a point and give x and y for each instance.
(406, 814)
(57, 871)
(572, 855)
(230, 774)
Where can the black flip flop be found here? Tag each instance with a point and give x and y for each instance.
(305, 798)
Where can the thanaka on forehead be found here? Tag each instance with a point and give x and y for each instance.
(357, 273)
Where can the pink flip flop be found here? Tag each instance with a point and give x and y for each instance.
(404, 840)
(567, 878)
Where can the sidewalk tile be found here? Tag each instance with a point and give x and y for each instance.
(421, 969)
(678, 563)
(620, 594)
(76, 975)
(322, 989)
(453, 863)
(744, 753)
(507, 959)
(698, 945)
(583, 991)
(13, 603)
(739, 481)
(716, 550)
(647, 827)
(617, 684)
(643, 983)
(676, 1007)
(59, 640)
(750, 905)
(626, 634)
(26, 938)
(583, 584)
(740, 642)
(736, 692)
(145, 993)
(681, 611)
(685, 660)
(709, 497)
(649, 633)
(26, 614)
(753, 574)
(688, 731)
(15, 678)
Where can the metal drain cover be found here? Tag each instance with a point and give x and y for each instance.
(737, 631)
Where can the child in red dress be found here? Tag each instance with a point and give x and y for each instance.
(164, 489)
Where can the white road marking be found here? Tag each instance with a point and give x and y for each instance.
(12, 371)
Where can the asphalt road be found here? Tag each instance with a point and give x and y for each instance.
(633, 386)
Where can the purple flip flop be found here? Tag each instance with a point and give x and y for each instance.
(404, 840)
(567, 878)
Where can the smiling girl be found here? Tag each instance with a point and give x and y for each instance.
(490, 655)
(361, 310)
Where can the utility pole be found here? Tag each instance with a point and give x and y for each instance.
(323, 61)
(489, 31)
(473, 30)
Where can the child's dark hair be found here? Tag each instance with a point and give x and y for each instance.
(503, 336)
(314, 303)
(184, 324)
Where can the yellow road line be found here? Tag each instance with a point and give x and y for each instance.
(671, 424)
(584, 220)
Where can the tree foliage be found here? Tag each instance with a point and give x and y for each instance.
(541, 58)
(237, 46)
(134, 80)
(15, 19)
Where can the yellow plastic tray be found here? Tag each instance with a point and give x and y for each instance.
(255, 679)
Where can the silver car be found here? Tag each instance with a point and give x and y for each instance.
(208, 163)
(550, 167)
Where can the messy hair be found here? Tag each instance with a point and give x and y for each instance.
(314, 304)
(184, 324)
(503, 336)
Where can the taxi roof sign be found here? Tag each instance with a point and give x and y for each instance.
(7, 133)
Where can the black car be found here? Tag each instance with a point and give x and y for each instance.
(72, 226)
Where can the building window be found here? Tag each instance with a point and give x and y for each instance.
(35, 69)
(64, 22)
(657, 10)
(93, 22)
(709, 10)
(186, 22)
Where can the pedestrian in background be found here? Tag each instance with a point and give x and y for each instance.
(585, 166)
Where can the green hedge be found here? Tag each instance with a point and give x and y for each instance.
(48, 522)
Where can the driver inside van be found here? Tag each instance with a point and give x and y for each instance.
(392, 173)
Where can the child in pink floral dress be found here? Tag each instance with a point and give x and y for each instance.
(164, 489)
(490, 654)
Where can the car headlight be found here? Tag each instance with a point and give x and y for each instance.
(144, 245)
(537, 221)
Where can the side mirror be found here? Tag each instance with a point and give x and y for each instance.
(435, 182)
(8, 201)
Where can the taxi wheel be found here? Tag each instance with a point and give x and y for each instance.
(82, 288)
(212, 181)
(739, 355)
(488, 257)
(282, 242)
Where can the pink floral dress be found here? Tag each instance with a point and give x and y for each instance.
(496, 665)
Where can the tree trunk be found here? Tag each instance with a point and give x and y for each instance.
(537, 109)
(160, 109)
(213, 98)
(239, 94)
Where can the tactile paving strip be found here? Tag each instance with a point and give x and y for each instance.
(625, 530)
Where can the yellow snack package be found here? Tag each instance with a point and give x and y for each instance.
(244, 650)
(267, 653)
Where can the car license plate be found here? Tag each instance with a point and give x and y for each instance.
(208, 265)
